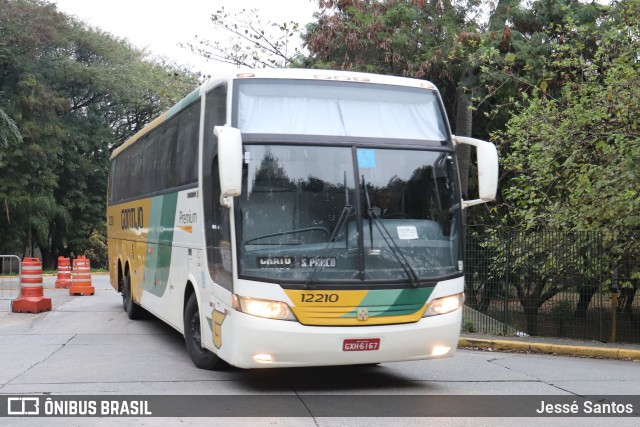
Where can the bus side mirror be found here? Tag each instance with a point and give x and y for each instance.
(229, 162)
(487, 155)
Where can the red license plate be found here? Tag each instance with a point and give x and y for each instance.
(361, 344)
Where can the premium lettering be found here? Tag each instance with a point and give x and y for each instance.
(187, 218)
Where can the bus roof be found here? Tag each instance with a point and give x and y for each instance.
(274, 73)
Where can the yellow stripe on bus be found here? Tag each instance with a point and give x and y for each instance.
(344, 308)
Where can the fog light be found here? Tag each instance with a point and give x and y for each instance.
(440, 350)
(262, 358)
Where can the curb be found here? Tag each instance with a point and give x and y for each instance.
(565, 350)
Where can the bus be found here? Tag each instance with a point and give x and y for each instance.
(246, 218)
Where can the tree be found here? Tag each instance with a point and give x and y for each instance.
(512, 60)
(9, 132)
(36, 218)
(252, 43)
(570, 161)
(511, 54)
(74, 94)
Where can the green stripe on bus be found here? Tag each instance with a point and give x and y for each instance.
(163, 212)
(151, 258)
(167, 221)
(183, 103)
(408, 301)
(392, 302)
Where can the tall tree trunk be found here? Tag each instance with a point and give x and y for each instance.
(28, 252)
(585, 293)
(47, 258)
(531, 314)
(464, 123)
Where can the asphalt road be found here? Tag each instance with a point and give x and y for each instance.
(86, 346)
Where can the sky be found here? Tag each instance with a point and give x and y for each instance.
(160, 25)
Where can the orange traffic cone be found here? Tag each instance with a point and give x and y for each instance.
(64, 273)
(31, 299)
(81, 279)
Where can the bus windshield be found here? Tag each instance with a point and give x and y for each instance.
(307, 107)
(311, 214)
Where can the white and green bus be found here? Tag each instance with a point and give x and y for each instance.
(247, 218)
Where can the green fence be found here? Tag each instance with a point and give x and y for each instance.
(553, 284)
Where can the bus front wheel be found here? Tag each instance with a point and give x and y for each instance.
(200, 356)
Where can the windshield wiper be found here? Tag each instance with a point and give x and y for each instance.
(285, 233)
(374, 218)
(342, 219)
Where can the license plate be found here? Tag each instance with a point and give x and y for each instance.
(361, 344)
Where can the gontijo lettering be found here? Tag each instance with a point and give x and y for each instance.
(132, 218)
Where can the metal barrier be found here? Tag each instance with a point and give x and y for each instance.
(10, 273)
(553, 284)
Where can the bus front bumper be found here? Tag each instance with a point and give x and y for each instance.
(265, 343)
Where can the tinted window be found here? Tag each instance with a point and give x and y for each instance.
(217, 228)
(163, 160)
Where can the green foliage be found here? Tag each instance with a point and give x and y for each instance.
(36, 217)
(73, 95)
(414, 38)
(9, 131)
(512, 55)
(468, 325)
(571, 161)
(96, 250)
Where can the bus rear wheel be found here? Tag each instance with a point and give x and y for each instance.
(200, 356)
(134, 311)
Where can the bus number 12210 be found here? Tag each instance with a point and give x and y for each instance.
(319, 297)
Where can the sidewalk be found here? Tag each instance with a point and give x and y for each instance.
(544, 345)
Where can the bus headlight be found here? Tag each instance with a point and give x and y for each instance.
(263, 308)
(444, 305)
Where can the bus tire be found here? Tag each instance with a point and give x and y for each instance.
(134, 311)
(200, 356)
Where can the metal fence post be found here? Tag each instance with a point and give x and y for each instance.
(507, 269)
(600, 275)
(614, 304)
